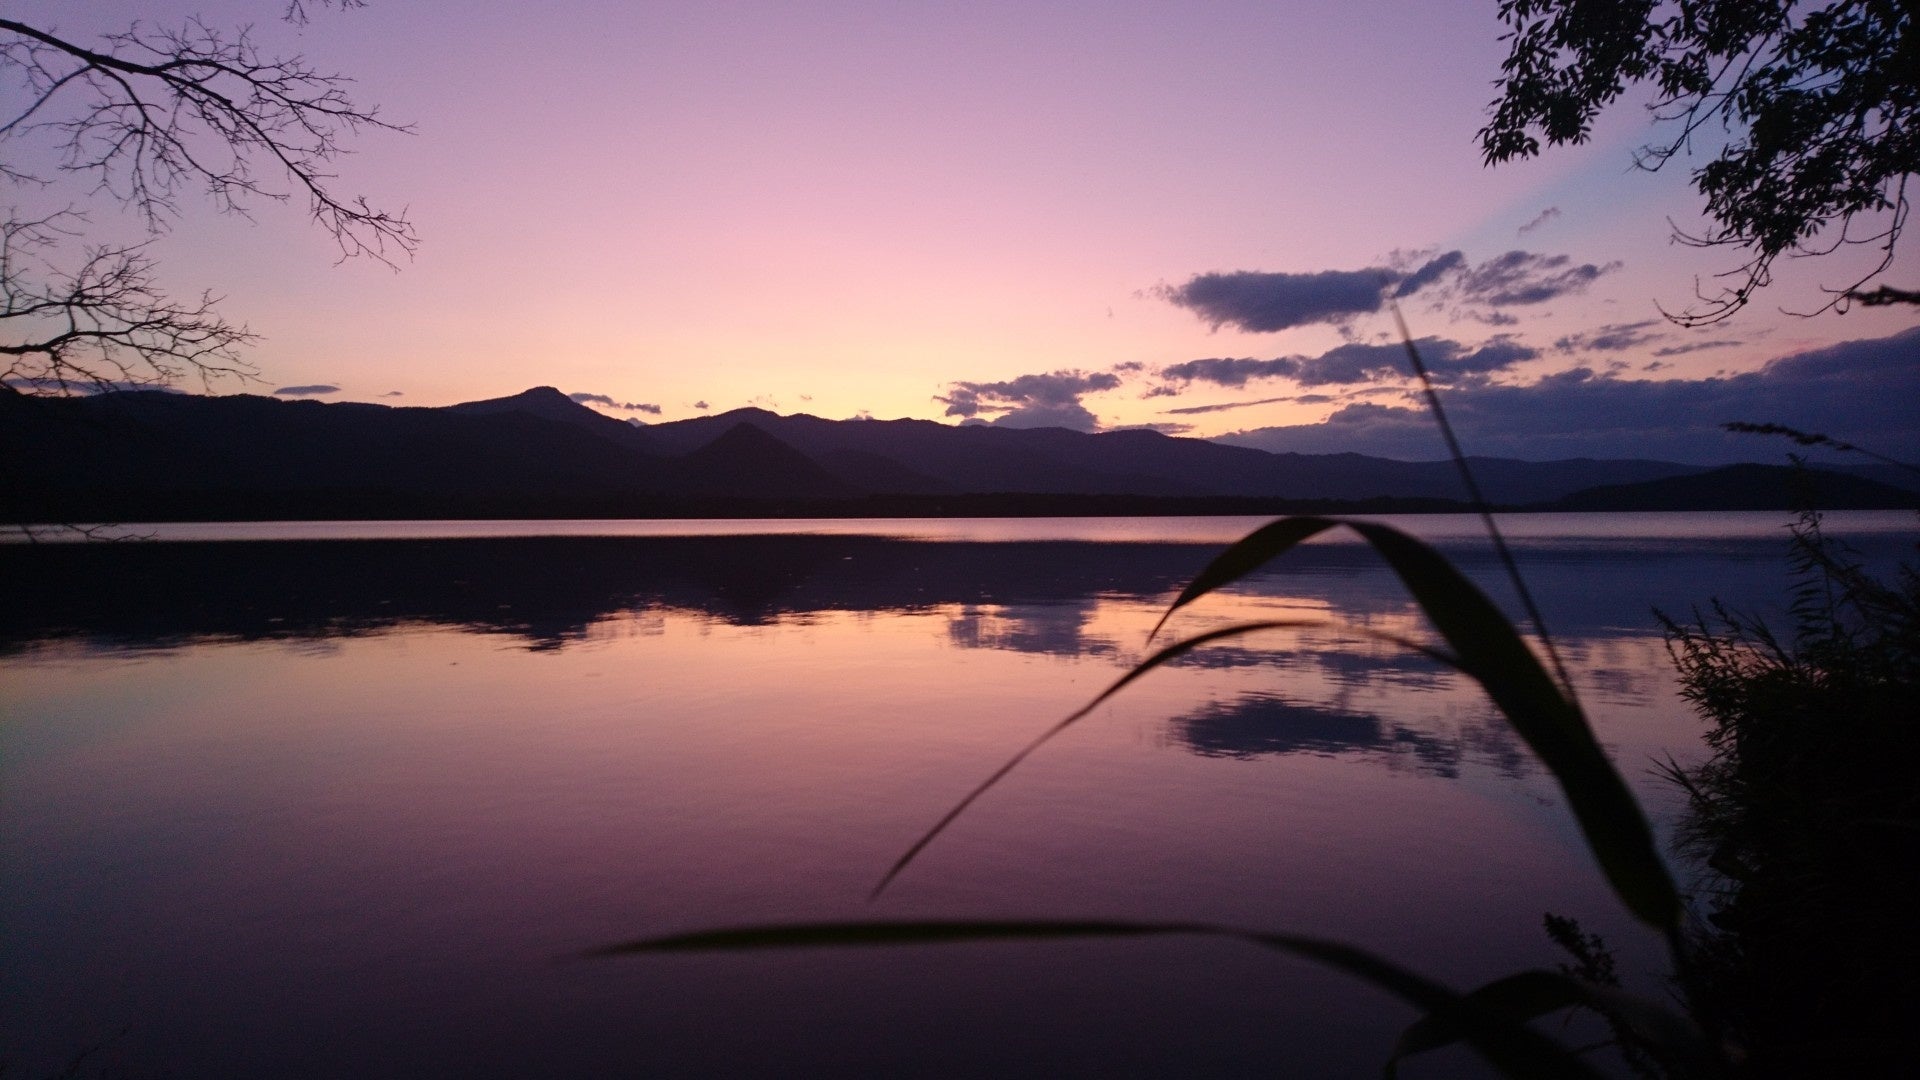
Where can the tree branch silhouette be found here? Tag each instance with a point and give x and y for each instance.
(1816, 107)
(145, 118)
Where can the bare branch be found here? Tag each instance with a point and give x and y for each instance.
(105, 325)
(154, 111)
(144, 118)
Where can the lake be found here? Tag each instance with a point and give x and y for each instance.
(353, 799)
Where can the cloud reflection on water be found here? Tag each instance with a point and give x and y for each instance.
(1257, 724)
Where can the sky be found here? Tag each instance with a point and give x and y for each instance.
(1092, 215)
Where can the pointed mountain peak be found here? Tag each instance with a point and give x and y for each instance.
(745, 434)
(747, 460)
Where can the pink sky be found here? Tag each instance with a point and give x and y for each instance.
(840, 208)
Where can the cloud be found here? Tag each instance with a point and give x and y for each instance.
(1860, 391)
(1263, 302)
(629, 406)
(1616, 337)
(702, 406)
(1433, 271)
(1164, 428)
(1266, 302)
(306, 391)
(393, 393)
(1692, 346)
(1049, 400)
(1526, 277)
(28, 384)
(1196, 410)
(1539, 220)
(1357, 362)
(1231, 371)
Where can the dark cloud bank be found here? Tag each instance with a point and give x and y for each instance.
(1267, 302)
(1050, 400)
(1357, 362)
(1864, 392)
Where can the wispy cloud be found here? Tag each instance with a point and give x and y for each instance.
(1433, 270)
(1539, 220)
(1524, 277)
(1447, 360)
(77, 387)
(1693, 346)
(609, 402)
(1358, 362)
(316, 390)
(1198, 410)
(1615, 337)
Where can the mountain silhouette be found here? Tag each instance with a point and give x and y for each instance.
(153, 456)
(749, 463)
(1745, 487)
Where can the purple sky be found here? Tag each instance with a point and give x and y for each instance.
(1093, 214)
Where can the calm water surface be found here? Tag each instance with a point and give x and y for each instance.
(340, 801)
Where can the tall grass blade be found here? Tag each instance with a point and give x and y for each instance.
(1530, 995)
(1244, 556)
(1480, 504)
(1166, 655)
(1487, 648)
(1507, 1043)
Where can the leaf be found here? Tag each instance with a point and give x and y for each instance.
(1529, 995)
(1490, 650)
(1514, 1048)
(1244, 556)
(1519, 998)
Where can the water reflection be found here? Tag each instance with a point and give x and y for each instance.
(386, 783)
(548, 591)
(1257, 724)
(1341, 663)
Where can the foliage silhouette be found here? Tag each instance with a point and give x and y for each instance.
(1818, 106)
(1807, 816)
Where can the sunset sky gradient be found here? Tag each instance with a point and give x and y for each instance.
(1098, 215)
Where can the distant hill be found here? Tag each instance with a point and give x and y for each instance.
(155, 456)
(1746, 487)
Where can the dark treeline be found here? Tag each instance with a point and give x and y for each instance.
(1750, 487)
(549, 590)
(109, 503)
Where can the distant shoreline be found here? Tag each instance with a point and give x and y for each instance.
(197, 507)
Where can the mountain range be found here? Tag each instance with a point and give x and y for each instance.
(152, 455)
